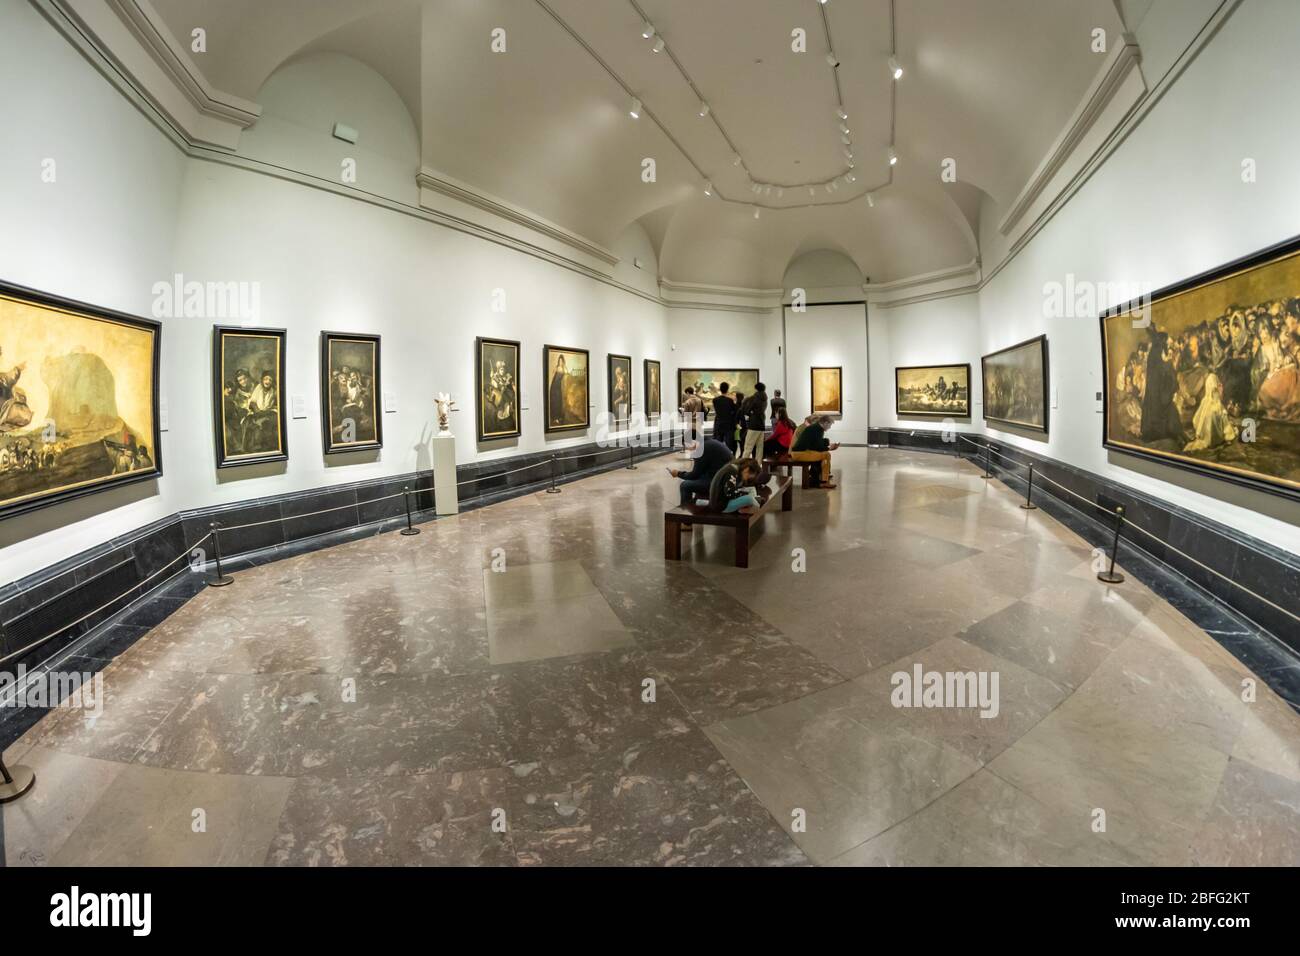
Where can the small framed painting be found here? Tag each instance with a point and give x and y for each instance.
(248, 395)
(654, 394)
(497, 386)
(827, 393)
(351, 416)
(620, 388)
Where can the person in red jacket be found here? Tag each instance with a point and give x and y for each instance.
(782, 434)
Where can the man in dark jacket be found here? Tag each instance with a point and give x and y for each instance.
(724, 417)
(695, 483)
(813, 445)
(777, 402)
(753, 416)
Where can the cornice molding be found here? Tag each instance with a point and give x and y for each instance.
(444, 185)
(1108, 82)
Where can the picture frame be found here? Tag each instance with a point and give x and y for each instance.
(497, 389)
(354, 406)
(1018, 376)
(705, 381)
(246, 431)
(1228, 334)
(828, 380)
(566, 402)
(653, 385)
(106, 363)
(927, 379)
(618, 387)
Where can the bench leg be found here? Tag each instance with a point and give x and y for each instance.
(742, 546)
(787, 497)
(805, 477)
(672, 540)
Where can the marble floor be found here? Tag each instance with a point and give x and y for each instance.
(532, 684)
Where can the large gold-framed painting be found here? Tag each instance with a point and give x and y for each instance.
(78, 399)
(1206, 377)
(654, 393)
(248, 395)
(941, 391)
(706, 382)
(827, 384)
(1015, 385)
(567, 398)
(497, 371)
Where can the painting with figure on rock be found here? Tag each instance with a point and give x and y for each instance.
(78, 399)
(567, 397)
(1206, 376)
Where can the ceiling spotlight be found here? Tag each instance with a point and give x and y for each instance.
(757, 212)
(833, 60)
(708, 187)
(736, 160)
(841, 114)
(704, 108)
(779, 192)
(852, 164)
(844, 128)
(828, 187)
(871, 201)
(848, 153)
(812, 190)
(895, 68)
(767, 190)
(846, 139)
(659, 45)
(851, 177)
(893, 157)
(634, 110)
(647, 29)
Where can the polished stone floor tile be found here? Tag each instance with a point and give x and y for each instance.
(455, 819)
(152, 817)
(669, 801)
(530, 684)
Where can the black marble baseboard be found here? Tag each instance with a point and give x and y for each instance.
(1160, 538)
(109, 585)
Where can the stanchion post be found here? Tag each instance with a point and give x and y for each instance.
(553, 490)
(1029, 493)
(409, 529)
(221, 580)
(631, 457)
(15, 781)
(1112, 576)
(988, 471)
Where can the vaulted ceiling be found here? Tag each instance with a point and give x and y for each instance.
(545, 125)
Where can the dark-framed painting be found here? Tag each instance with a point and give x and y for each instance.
(1015, 385)
(352, 416)
(79, 393)
(652, 381)
(937, 391)
(620, 387)
(248, 395)
(567, 400)
(827, 390)
(1205, 375)
(706, 382)
(496, 363)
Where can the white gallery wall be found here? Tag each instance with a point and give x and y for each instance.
(1169, 203)
(823, 336)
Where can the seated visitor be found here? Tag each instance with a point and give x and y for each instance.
(736, 488)
(782, 433)
(811, 444)
(712, 455)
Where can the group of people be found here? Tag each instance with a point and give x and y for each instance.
(1191, 390)
(741, 442)
(352, 400)
(25, 454)
(252, 413)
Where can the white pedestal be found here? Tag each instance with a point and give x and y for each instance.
(445, 493)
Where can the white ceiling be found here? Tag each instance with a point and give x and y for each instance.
(989, 83)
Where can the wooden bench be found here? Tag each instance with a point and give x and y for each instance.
(777, 462)
(743, 525)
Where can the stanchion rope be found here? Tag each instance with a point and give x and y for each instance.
(1128, 522)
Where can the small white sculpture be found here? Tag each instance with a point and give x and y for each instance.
(446, 404)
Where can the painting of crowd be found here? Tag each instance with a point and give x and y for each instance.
(1015, 385)
(1210, 378)
(933, 390)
